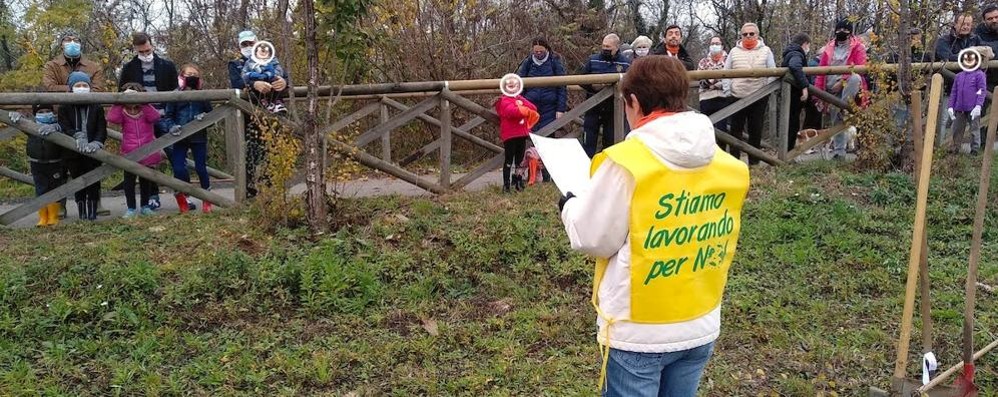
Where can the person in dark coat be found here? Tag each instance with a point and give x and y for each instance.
(45, 160)
(608, 60)
(177, 115)
(155, 74)
(551, 102)
(987, 33)
(672, 45)
(795, 58)
(86, 125)
(960, 37)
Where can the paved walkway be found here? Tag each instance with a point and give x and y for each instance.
(359, 188)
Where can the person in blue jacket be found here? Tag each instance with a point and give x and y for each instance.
(177, 115)
(608, 60)
(551, 102)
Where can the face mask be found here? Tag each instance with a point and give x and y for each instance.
(641, 52)
(607, 54)
(806, 50)
(246, 51)
(81, 90)
(750, 42)
(715, 49)
(541, 56)
(192, 82)
(146, 58)
(45, 118)
(71, 49)
(841, 36)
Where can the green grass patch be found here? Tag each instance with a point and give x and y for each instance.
(473, 294)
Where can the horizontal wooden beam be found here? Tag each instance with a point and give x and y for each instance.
(430, 147)
(817, 140)
(746, 147)
(17, 176)
(31, 98)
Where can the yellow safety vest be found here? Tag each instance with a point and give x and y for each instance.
(684, 227)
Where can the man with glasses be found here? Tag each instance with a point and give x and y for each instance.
(750, 53)
(844, 50)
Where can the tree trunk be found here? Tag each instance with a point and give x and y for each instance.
(315, 194)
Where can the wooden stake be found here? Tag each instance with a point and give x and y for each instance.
(925, 304)
(901, 364)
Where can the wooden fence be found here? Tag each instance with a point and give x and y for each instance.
(379, 100)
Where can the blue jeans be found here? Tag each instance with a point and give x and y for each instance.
(178, 159)
(675, 374)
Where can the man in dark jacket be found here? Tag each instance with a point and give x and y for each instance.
(961, 37)
(608, 60)
(987, 32)
(155, 74)
(795, 58)
(672, 45)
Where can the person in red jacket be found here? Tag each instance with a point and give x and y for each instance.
(516, 117)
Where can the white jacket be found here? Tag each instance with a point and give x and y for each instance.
(597, 223)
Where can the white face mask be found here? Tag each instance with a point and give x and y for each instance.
(146, 58)
(247, 51)
(716, 48)
(81, 90)
(641, 52)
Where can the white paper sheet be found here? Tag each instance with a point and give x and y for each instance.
(566, 161)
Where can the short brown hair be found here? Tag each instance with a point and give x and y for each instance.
(133, 86)
(140, 38)
(659, 82)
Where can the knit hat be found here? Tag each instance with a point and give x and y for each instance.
(37, 108)
(844, 23)
(246, 35)
(77, 77)
(641, 40)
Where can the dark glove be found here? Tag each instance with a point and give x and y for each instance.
(81, 140)
(46, 129)
(564, 199)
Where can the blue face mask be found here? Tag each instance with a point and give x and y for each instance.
(71, 49)
(45, 118)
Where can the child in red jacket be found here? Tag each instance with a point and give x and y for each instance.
(516, 117)
(137, 122)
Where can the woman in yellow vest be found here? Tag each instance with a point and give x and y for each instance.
(661, 215)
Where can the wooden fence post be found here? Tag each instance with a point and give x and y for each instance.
(386, 139)
(785, 128)
(445, 142)
(772, 110)
(235, 151)
(619, 122)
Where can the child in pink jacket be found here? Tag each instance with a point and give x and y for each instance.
(516, 117)
(137, 123)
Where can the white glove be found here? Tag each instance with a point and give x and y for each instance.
(199, 117)
(175, 130)
(46, 129)
(952, 114)
(81, 140)
(14, 117)
(93, 147)
(974, 114)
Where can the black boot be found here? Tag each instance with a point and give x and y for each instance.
(505, 177)
(518, 182)
(92, 210)
(81, 209)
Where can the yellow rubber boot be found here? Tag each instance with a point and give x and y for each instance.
(53, 218)
(43, 216)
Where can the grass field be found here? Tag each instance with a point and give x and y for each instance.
(474, 294)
